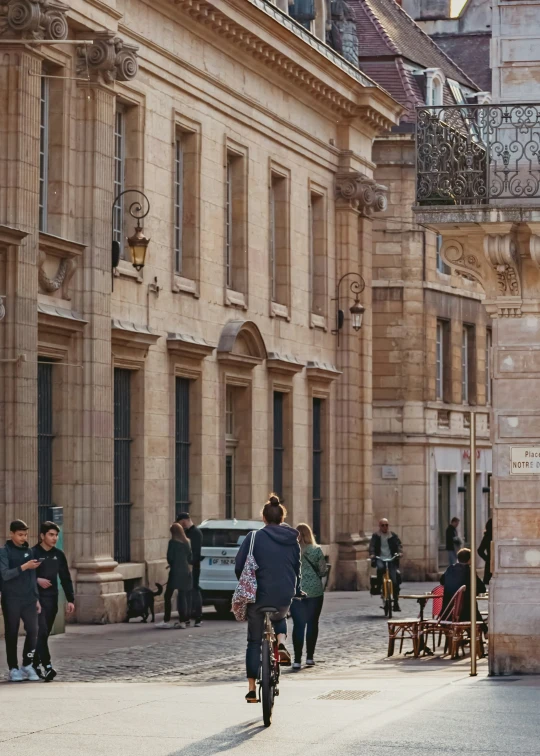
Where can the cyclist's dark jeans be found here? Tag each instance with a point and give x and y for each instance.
(305, 616)
(255, 633)
(392, 569)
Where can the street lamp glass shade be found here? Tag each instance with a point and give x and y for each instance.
(357, 315)
(138, 244)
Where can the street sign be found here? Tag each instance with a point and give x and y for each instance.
(389, 472)
(525, 460)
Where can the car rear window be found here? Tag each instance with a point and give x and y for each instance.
(225, 537)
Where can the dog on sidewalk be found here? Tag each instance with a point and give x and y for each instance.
(141, 602)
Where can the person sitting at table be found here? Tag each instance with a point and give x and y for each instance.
(456, 576)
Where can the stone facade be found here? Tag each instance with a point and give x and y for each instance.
(495, 241)
(420, 426)
(253, 146)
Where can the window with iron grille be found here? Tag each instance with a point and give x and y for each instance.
(178, 203)
(45, 438)
(182, 445)
(279, 449)
(318, 411)
(122, 464)
(119, 176)
(43, 153)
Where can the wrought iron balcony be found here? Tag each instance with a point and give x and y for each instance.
(478, 155)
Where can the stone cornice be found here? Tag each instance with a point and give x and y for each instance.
(341, 92)
(108, 59)
(356, 190)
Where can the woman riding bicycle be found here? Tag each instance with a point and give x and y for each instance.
(277, 553)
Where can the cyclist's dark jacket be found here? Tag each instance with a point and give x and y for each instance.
(375, 544)
(277, 554)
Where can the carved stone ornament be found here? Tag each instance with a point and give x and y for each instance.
(108, 59)
(500, 252)
(361, 192)
(61, 279)
(465, 263)
(33, 19)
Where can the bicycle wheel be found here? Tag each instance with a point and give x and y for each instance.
(267, 683)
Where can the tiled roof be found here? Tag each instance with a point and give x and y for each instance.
(471, 53)
(393, 76)
(384, 29)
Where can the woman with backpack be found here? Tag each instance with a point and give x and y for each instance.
(306, 613)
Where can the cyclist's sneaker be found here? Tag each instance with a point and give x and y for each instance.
(284, 656)
(310, 663)
(251, 697)
(397, 607)
(296, 667)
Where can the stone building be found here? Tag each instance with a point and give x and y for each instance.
(430, 330)
(212, 374)
(485, 203)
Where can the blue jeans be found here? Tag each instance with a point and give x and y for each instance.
(452, 558)
(255, 633)
(305, 616)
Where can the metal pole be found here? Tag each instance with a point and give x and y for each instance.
(472, 521)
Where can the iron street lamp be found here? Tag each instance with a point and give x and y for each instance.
(138, 243)
(357, 310)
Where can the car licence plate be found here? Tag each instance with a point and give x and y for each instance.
(222, 560)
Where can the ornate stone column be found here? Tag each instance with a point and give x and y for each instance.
(505, 258)
(357, 197)
(20, 69)
(100, 592)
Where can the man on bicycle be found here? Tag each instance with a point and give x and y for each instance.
(383, 546)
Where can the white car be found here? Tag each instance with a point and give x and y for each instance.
(221, 541)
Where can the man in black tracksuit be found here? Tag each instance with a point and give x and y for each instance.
(20, 600)
(53, 566)
(195, 537)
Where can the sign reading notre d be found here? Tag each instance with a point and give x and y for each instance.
(525, 460)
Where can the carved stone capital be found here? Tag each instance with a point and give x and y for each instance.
(534, 243)
(500, 252)
(33, 19)
(108, 59)
(360, 192)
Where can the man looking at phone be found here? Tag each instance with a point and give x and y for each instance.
(53, 565)
(20, 600)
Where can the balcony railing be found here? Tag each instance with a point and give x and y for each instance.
(478, 154)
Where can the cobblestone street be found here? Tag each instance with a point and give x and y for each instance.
(352, 633)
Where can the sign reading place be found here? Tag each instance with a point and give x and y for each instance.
(525, 460)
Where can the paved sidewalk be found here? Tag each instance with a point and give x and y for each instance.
(408, 707)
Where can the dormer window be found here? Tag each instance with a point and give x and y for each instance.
(434, 87)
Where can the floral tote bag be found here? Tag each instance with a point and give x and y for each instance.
(246, 590)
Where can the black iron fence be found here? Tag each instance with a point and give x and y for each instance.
(477, 154)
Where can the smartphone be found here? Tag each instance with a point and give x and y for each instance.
(40, 560)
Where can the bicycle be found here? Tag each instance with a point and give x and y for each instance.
(387, 588)
(269, 667)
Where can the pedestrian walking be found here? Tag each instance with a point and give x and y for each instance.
(179, 559)
(306, 613)
(195, 606)
(53, 566)
(484, 550)
(20, 600)
(453, 541)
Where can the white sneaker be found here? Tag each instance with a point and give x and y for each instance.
(179, 625)
(164, 626)
(15, 675)
(29, 673)
(296, 667)
(310, 663)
